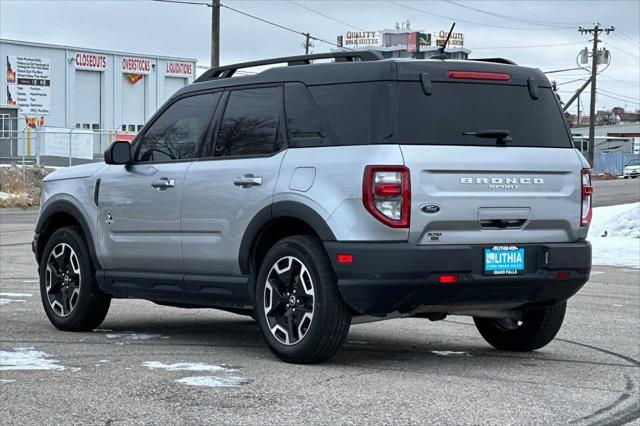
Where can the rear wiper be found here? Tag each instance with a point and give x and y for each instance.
(501, 136)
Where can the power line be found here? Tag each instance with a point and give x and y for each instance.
(266, 21)
(183, 2)
(627, 38)
(572, 81)
(317, 12)
(515, 18)
(526, 46)
(621, 50)
(563, 70)
(449, 18)
(618, 94)
(619, 99)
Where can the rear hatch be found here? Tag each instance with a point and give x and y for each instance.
(514, 177)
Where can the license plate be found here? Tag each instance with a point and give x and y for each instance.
(503, 260)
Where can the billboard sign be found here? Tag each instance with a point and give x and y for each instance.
(362, 39)
(29, 84)
(412, 42)
(424, 40)
(456, 39)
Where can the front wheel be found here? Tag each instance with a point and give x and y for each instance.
(68, 288)
(298, 306)
(536, 329)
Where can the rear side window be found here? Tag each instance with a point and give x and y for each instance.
(454, 108)
(176, 134)
(348, 110)
(250, 123)
(305, 123)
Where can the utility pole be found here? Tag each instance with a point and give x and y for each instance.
(596, 30)
(215, 33)
(306, 43)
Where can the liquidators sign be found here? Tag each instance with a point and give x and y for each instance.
(29, 84)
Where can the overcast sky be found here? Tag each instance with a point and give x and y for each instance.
(141, 26)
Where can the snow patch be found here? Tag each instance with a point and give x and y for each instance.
(128, 335)
(214, 381)
(16, 294)
(449, 353)
(615, 235)
(6, 381)
(185, 366)
(7, 301)
(27, 359)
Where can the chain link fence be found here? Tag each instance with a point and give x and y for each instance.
(53, 146)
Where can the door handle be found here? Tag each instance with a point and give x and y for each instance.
(247, 181)
(163, 183)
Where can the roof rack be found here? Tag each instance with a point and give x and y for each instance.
(495, 60)
(228, 70)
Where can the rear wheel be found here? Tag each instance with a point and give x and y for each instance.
(68, 288)
(300, 311)
(535, 330)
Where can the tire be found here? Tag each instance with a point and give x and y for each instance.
(535, 330)
(74, 304)
(298, 338)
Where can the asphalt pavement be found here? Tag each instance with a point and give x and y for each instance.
(615, 191)
(143, 365)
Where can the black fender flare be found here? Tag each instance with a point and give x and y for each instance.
(280, 209)
(67, 207)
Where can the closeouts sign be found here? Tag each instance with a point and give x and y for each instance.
(90, 61)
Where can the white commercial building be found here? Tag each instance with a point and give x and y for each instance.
(64, 87)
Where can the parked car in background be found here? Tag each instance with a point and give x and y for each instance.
(632, 169)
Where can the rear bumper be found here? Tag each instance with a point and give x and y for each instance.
(399, 277)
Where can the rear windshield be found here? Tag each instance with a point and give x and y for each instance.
(454, 108)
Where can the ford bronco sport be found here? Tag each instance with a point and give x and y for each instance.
(314, 194)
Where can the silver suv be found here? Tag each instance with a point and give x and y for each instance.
(313, 195)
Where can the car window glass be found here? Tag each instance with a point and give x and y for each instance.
(347, 108)
(250, 123)
(305, 123)
(176, 133)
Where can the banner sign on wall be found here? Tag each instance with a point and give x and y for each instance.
(29, 84)
(136, 65)
(90, 61)
(179, 69)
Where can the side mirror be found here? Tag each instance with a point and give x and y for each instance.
(118, 152)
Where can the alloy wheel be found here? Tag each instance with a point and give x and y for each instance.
(289, 300)
(63, 279)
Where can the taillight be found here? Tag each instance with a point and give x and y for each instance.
(475, 75)
(386, 194)
(587, 195)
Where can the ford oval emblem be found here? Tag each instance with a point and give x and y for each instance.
(430, 208)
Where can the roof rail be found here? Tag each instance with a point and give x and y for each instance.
(228, 70)
(495, 60)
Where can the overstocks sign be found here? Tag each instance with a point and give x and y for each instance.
(29, 84)
(362, 38)
(136, 65)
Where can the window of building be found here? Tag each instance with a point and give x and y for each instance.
(5, 126)
(176, 134)
(250, 123)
